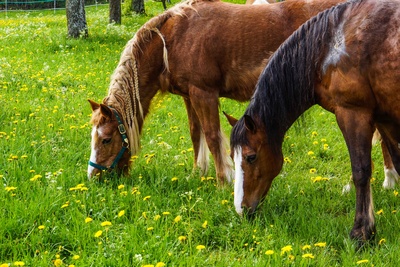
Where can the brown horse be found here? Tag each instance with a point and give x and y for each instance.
(334, 60)
(201, 50)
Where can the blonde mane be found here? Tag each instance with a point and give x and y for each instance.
(123, 93)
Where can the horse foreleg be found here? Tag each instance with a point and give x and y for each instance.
(357, 129)
(201, 152)
(206, 106)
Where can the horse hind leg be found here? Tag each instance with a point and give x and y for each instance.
(391, 153)
(391, 175)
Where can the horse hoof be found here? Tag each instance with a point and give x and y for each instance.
(363, 234)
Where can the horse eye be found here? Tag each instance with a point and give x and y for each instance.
(106, 141)
(251, 158)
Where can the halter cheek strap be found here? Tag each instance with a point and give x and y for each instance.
(125, 146)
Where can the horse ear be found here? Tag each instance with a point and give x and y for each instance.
(232, 121)
(250, 124)
(94, 105)
(105, 111)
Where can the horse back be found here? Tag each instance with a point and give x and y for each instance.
(226, 46)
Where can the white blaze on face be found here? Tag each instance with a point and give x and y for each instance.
(92, 153)
(238, 198)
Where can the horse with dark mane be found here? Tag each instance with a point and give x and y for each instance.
(200, 50)
(334, 60)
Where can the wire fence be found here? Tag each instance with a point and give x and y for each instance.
(10, 5)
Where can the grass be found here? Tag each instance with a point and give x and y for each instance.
(163, 212)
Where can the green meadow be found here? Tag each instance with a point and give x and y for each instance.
(163, 213)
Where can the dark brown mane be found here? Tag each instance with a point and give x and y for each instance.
(280, 99)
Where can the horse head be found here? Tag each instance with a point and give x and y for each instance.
(256, 164)
(109, 145)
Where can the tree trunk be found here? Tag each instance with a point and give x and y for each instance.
(115, 11)
(76, 18)
(138, 6)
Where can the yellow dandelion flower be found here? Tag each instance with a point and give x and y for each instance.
(182, 238)
(314, 133)
(308, 256)
(287, 160)
(41, 227)
(383, 240)
(157, 217)
(121, 186)
(160, 264)
(269, 252)
(313, 170)
(10, 188)
(98, 233)
(19, 263)
(150, 228)
(223, 202)
(395, 193)
(204, 225)
(36, 177)
(65, 205)
(146, 198)
(88, 220)
(58, 262)
(144, 215)
(306, 247)
(106, 223)
(121, 213)
(291, 257)
(178, 219)
(4, 265)
(379, 212)
(286, 249)
(173, 179)
(310, 153)
(320, 244)
(200, 247)
(362, 261)
(166, 213)
(148, 265)
(76, 257)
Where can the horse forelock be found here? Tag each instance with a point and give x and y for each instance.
(238, 135)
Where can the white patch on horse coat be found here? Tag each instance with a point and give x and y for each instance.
(203, 158)
(226, 160)
(337, 49)
(371, 209)
(92, 153)
(391, 177)
(238, 198)
(260, 2)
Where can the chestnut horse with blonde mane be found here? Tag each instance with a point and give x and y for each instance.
(200, 50)
(334, 60)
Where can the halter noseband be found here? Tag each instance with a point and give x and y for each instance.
(125, 146)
